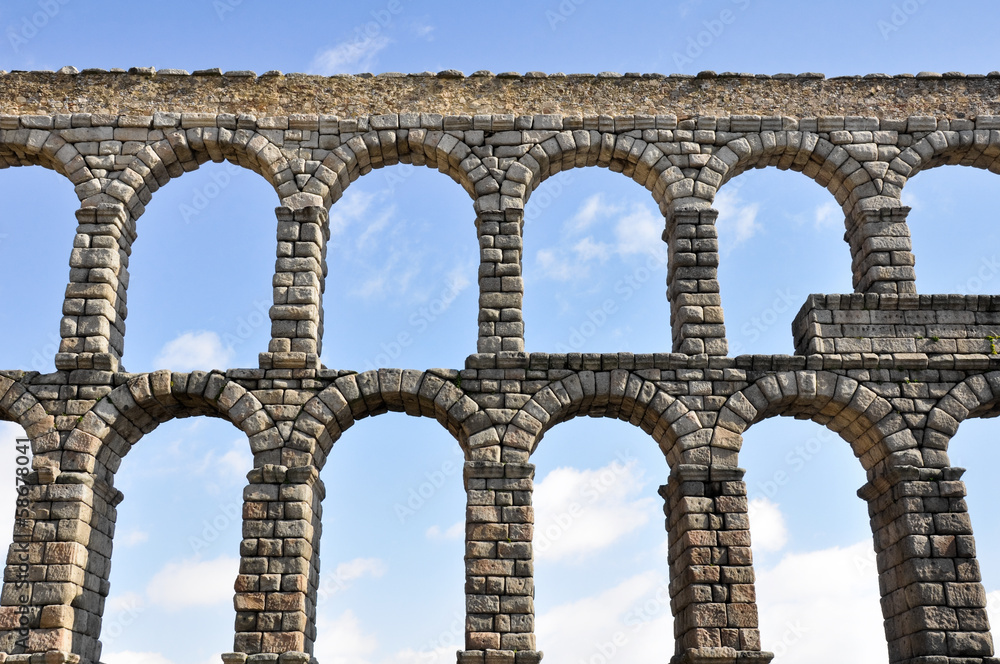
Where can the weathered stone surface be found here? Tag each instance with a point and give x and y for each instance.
(894, 372)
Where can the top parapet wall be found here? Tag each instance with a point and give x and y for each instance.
(142, 91)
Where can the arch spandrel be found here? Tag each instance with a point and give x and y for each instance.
(353, 397)
(877, 433)
(620, 394)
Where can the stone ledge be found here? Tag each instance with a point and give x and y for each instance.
(499, 656)
(722, 656)
(141, 91)
(956, 326)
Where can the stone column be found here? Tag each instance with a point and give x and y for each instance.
(932, 596)
(712, 592)
(93, 324)
(501, 288)
(693, 282)
(279, 566)
(56, 578)
(881, 252)
(499, 567)
(299, 281)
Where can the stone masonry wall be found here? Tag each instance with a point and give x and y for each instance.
(893, 372)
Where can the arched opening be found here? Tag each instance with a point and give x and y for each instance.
(201, 266)
(595, 266)
(952, 217)
(601, 573)
(780, 240)
(972, 448)
(36, 238)
(805, 516)
(403, 260)
(391, 580)
(177, 544)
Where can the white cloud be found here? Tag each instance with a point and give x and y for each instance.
(767, 525)
(132, 537)
(342, 640)
(194, 350)
(993, 608)
(632, 229)
(805, 593)
(587, 249)
(350, 57)
(423, 31)
(349, 209)
(127, 601)
(592, 209)
(369, 236)
(737, 219)
(360, 567)
(555, 266)
(829, 214)
(229, 467)
(130, 657)
(630, 622)
(455, 531)
(194, 583)
(640, 231)
(345, 573)
(578, 512)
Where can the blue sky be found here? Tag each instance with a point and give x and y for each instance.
(401, 292)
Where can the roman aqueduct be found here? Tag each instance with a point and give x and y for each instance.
(892, 371)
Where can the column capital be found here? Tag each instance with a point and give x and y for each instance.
(880, 483)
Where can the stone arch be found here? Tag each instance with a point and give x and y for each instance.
(376, 149)
(976, 396)
(49, 149)
(181, 151)
(645, 163)
(665, 171)
(109, 430)
(878, 435)
(20, 406)
(617, 394)
(838, 168)
(325, 417)
(980, 149)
